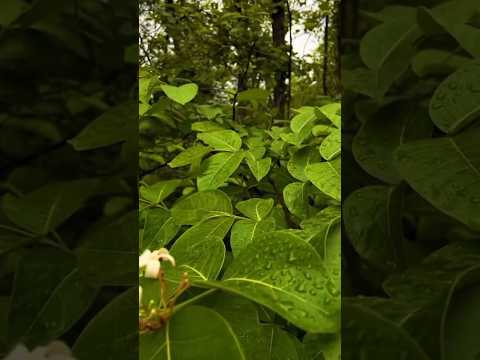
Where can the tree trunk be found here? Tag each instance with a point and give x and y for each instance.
(325, 55)
(279, 31)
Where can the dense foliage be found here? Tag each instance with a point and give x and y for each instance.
(251, 216)
(240, 181)
(412, 189)
(68, 164)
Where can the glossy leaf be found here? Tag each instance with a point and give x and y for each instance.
(181, 94)
(222, 140)
(217, 169)
(326, 177)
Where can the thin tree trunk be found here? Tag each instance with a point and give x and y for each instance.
(325, 55)
(279, 32)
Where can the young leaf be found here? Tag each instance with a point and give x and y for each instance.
(259, 168)
(181, 94)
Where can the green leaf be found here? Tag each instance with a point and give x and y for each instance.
(200, 250)
(372, 336)
(452, 17)
(217, 169)
(100, 340)
(332, 111)
(43, 210)
(181, 94)
(159, 229)
(222, 140)
(194, 333)
(114, 126)
(259, 168)
(302, 123)
(296, 197)
(190, 156)
(45, 281)
(387, 48)
(285, 274)
(156, 193)
(326, 177)
(331, 145)
(456, 102)
(446, 172)
(375, 143)
(108, 252)
(255, 208)
(300, 159)
(373, 222)
(245, 231)
(436, 62)
(201, 205)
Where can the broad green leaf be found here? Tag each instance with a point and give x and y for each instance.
(259, 168)
(114, 126)
(296, 197)
(456, 102)
(45, 281)
(255, 208)
(245, 231)
(332, 112)
(181, 94)
(190, 156)
(321, 130)
(367, 334)
(110, 336)
(159, 191)
(373, 223)
(43, 210)
(159, 229)
(436, 62)
(321, 226)
(446, 172)
(375, 143)
(331, 145)
(452, 17)
(107, 254)
(285, 274)
(196, 207)
(300, 159)
(387, 48)
(194, 333)
(200, 250)
(259, 341)
(326, 177)
(217, 169)
(222, 140)
(302, 123)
